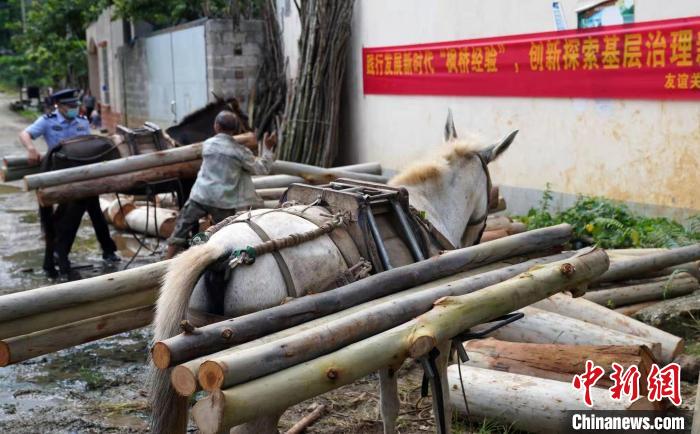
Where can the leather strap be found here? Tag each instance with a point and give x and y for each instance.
(284, 269)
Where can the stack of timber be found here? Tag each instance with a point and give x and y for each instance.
(15, 167)
(147, 219)
(51, 318)
(183, 162)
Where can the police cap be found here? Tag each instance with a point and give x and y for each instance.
(66, 96)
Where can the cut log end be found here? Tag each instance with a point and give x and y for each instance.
(4, 354)
(208, 413)
(421, 346)
(160, 353)
(183, 381)
(211, 375)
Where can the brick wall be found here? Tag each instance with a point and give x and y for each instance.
(233, 57)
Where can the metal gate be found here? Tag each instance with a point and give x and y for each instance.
(177, 74)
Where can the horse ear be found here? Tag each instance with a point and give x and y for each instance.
(492, 152)
(450, 131)
(217, 97)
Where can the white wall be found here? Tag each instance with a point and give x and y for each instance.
(644, 152)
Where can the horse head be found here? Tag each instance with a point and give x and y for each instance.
(453, 190)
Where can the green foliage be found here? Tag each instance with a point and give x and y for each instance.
(612, 225)
(166, 13)
(50, 50)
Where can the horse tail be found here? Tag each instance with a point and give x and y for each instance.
(168, 409)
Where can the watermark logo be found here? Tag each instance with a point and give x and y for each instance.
(661, 382)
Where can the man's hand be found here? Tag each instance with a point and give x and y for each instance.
(270, 141)
(33, 156)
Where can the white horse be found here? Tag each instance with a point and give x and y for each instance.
(451, 191)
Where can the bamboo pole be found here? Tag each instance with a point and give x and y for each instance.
(542, 327)
(20, 348)
(661, 289)
(184, 376)
(590, 312)
(527, 403)
(55, 318)
(267, 395)
(225, 334)
(634, 267)
(70, 294)
(238, 366)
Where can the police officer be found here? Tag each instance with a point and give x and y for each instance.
(61, 124)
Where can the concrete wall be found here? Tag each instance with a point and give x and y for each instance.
(643, 152)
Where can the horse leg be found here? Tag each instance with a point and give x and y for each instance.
(261, 425)
(389, 397)
(442, 361)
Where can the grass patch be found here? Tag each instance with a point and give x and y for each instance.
(612, 225)
(692, 348)
(29, 114)
(93, 379)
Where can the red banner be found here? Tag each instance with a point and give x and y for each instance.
(650, 60)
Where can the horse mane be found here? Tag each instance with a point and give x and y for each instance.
(419, 173)
(190, 117)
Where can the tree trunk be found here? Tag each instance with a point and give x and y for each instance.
(593, 313)
(209, 339)
(71, 294)
(186, 383)
(136, 221)
(267, 395)
(662, 289)
(238, 366)
(56, 318)
(528, 403)
(493, 235)
(494, 223)
(631, 309)
(20, 348)
(276, 181)
(8, 174)
(556, 361)
(271, 193)
(634, 267)
(116, 183)
(542, 327)
(308, 171)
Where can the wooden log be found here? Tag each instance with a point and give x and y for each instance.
(55, 318)
(593, 313)
(247, 327)
(20, 348)
(238, 366)
(181, 154)
(494, 223)
(493, 235)
(276, 181)
(70, 294)
(116, 212)
(184, 376)
(122, 182)
(136, 221)
(267, 395)
(631, 309)
(556, 361)
(314, 172)
(536, 405)
(9, 174)
(542, 327)
(661, 289)
(307, 420)
(17, 161)
(271, 193)
(517, 228)
(634, 267)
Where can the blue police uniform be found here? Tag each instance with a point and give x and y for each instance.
(54, 127)
(61, 226)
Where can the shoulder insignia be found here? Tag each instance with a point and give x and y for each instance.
(49, 115)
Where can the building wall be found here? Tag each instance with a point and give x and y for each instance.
(107, 37)
(233, 57)
(642, 152)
